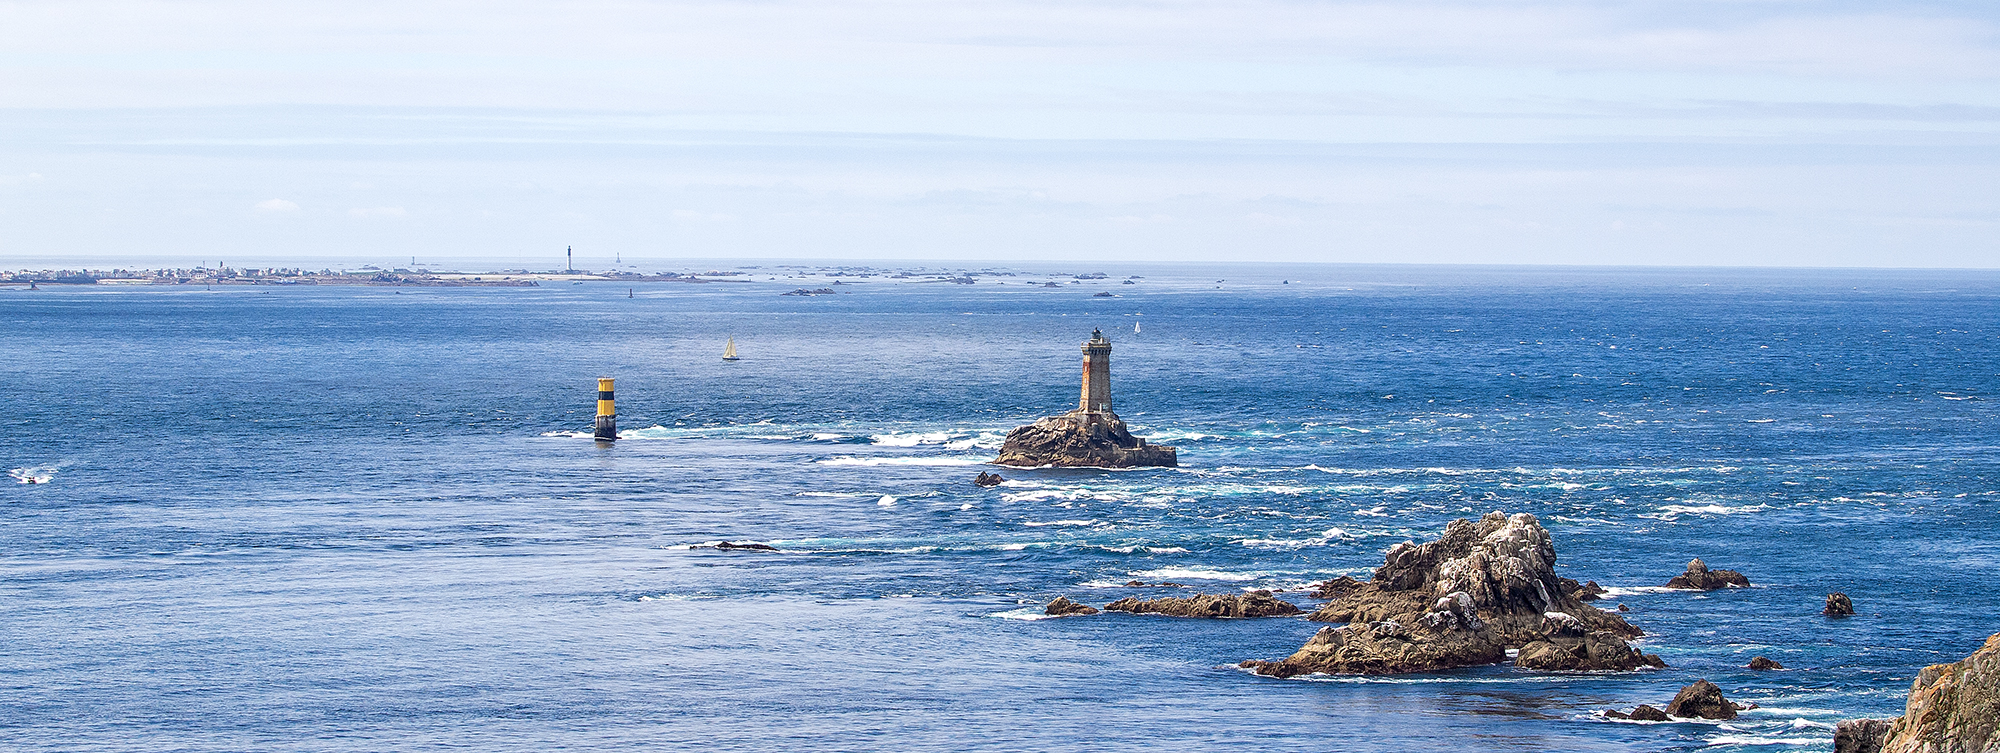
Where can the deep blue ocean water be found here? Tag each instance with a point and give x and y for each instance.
(363, 519)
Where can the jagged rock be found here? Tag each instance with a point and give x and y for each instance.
(1764, 663)
(1595, 651)
(1623, 608)
(1336, 588)
(1459, 601)
(1643, 713)
(1063, 607)
(1135, 584)
(1080, 439)
(1953, 708)
(1255, 604)
(1838, 605)
(1702, 700)
(1861, 735)
(1699, 578)
(1583, 592)
(987, 479)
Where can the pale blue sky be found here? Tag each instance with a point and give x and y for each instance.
(1742, 132)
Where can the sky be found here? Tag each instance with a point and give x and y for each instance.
(1700, 132)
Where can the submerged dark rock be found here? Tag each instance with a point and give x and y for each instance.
(1838, 605)
(749, 546)
(1255, 604)
(1763, 663)
(1063, 607)
(1702, 700)
(1699, 578)
(1459, 601)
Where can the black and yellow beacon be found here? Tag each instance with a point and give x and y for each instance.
(607, 413)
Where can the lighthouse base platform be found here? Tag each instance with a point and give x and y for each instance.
(1079, 439)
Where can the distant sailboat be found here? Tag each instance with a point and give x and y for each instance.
(1135, 328)
(729, 351)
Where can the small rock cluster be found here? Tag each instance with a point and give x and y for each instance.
(1699, 578)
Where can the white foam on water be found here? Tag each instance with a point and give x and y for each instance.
(829, 494)
(1179, 435)
(569, 434)
(1064, 523)
(828, 437)
(852, 460)
(1616, 591)
(1024, 613)
(964, 507)
(1182, 573)
(1669, 512)
(1802, 723)
(886, 501)
(910, 439)
(39, 474)
(1721, 740)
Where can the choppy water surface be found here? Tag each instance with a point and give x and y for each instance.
(360, 519)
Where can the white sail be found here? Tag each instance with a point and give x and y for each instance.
(729, 351)
(1135, 328)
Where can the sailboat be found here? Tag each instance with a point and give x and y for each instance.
(1135, 328)
(729, 351)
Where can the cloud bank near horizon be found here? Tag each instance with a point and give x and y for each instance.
(1769, 133)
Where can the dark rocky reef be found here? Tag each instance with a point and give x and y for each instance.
(1702, 700)
(1838, 605)
(729, 545)
(987, 479)
(1080, 439)
(1583, 592)
(1699, 578)
(1764, 663)
(1643, 713)
(1953, 708)
(1063, 607)
(1254, 604)
(1462, 600)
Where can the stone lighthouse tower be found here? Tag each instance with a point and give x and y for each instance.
(1090, 436)
(1096, 375)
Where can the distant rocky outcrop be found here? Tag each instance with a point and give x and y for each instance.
(1643, 713)
(1953, 708)
(1063, 607)
(1462, 600)
(1254, 604)
(1081, 439)
(1838, 605)
(1699, 578)
(1764, 663)
(752, 546)
(1702, 700)
(987, 479)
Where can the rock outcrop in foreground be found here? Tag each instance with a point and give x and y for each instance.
(1699, 578)
(1838, 605)
(1254, 604)
(1460, 601)
(1702, 700)
(1063, 607)
(1081, 439)
(1953, 708)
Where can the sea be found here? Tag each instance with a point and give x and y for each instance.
(250, 518)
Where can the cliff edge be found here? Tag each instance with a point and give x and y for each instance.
(1953, 708)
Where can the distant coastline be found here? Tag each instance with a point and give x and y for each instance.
(422, 277)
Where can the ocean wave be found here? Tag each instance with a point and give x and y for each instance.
(1023, 613)
(38, 474)
(1720, 740)
(1670, 512)
(1183, 573)
(1065, 523)
(843, 495)
(853, 460)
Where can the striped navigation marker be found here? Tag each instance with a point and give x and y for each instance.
(607, 413)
